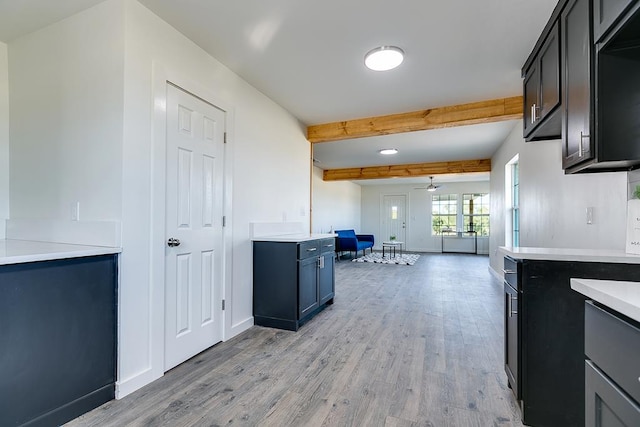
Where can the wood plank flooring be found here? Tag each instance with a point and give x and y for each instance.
(401, 346)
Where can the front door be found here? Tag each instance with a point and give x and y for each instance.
(194, 242)
(394, 217)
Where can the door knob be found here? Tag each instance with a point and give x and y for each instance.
(172, 242)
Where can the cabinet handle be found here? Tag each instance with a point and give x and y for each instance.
(533, 113)
(321, 262)
(312, 250)
(580, 149)
(508, 271)
(328, 246)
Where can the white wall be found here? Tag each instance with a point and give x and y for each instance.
(419, 238)
(66, 87)
(552, 204)
(85, 97)
(4, 137)
(269, 172)
(336, 204)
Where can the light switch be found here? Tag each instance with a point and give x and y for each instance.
(590, 215)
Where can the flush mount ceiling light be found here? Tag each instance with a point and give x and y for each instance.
(388, 151)
(384, 58)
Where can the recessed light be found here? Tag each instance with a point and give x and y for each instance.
(384, 58)
(388, 151)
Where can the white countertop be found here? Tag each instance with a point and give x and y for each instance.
(21, 251)
(294, 237)
(623, 297)
(568, 254)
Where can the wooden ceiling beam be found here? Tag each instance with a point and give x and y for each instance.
(406, 171)
(494, 110)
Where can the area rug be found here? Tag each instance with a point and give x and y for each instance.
(404, 259)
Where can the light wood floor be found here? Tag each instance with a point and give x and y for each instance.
(402, 346)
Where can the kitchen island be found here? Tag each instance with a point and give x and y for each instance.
(58, 311)
(544, 327)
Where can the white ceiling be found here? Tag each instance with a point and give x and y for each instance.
(308, 56)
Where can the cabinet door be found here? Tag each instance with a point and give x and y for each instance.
(326, 276)
(605, 14)
(549, 72)
(58, 339)
(511, 349)
(606, 405)
(531, 88)
(577, 68)
(307, 286)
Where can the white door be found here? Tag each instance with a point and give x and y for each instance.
(193, 251)
(393, 217)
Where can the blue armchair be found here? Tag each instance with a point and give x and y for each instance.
(348, 240)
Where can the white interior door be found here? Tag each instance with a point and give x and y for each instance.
(193, 251)
(393, 215)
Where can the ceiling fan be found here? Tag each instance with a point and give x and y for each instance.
(430, 187)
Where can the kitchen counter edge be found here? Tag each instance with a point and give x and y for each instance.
(294, 237)
(568, 254)
(24, 251)
(623, 297)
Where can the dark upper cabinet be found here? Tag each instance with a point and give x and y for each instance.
(618, 93)
(577, 67)
(542, 116)
(614, 128)
(598, 43)
(605, 14)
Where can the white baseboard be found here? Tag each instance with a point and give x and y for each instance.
(495, 274)
(238, 328)
(131, 384)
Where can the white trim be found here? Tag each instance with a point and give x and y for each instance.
(131, 384)
(241, 326)
(161, 75)
(495, 274)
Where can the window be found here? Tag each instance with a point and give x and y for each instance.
(515, 202)
(444, 213)
(475, 213)
(394, 212)
(512, 202)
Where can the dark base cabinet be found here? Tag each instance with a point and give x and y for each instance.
(57, 339)
(551, 325)
(612, 346)
(292, 281)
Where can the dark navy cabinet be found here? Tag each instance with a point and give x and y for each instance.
(542, 115)
(57, 339)
(612, 368)
(598, 42)
(292, 281)
(605, 14)
(546, 366)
